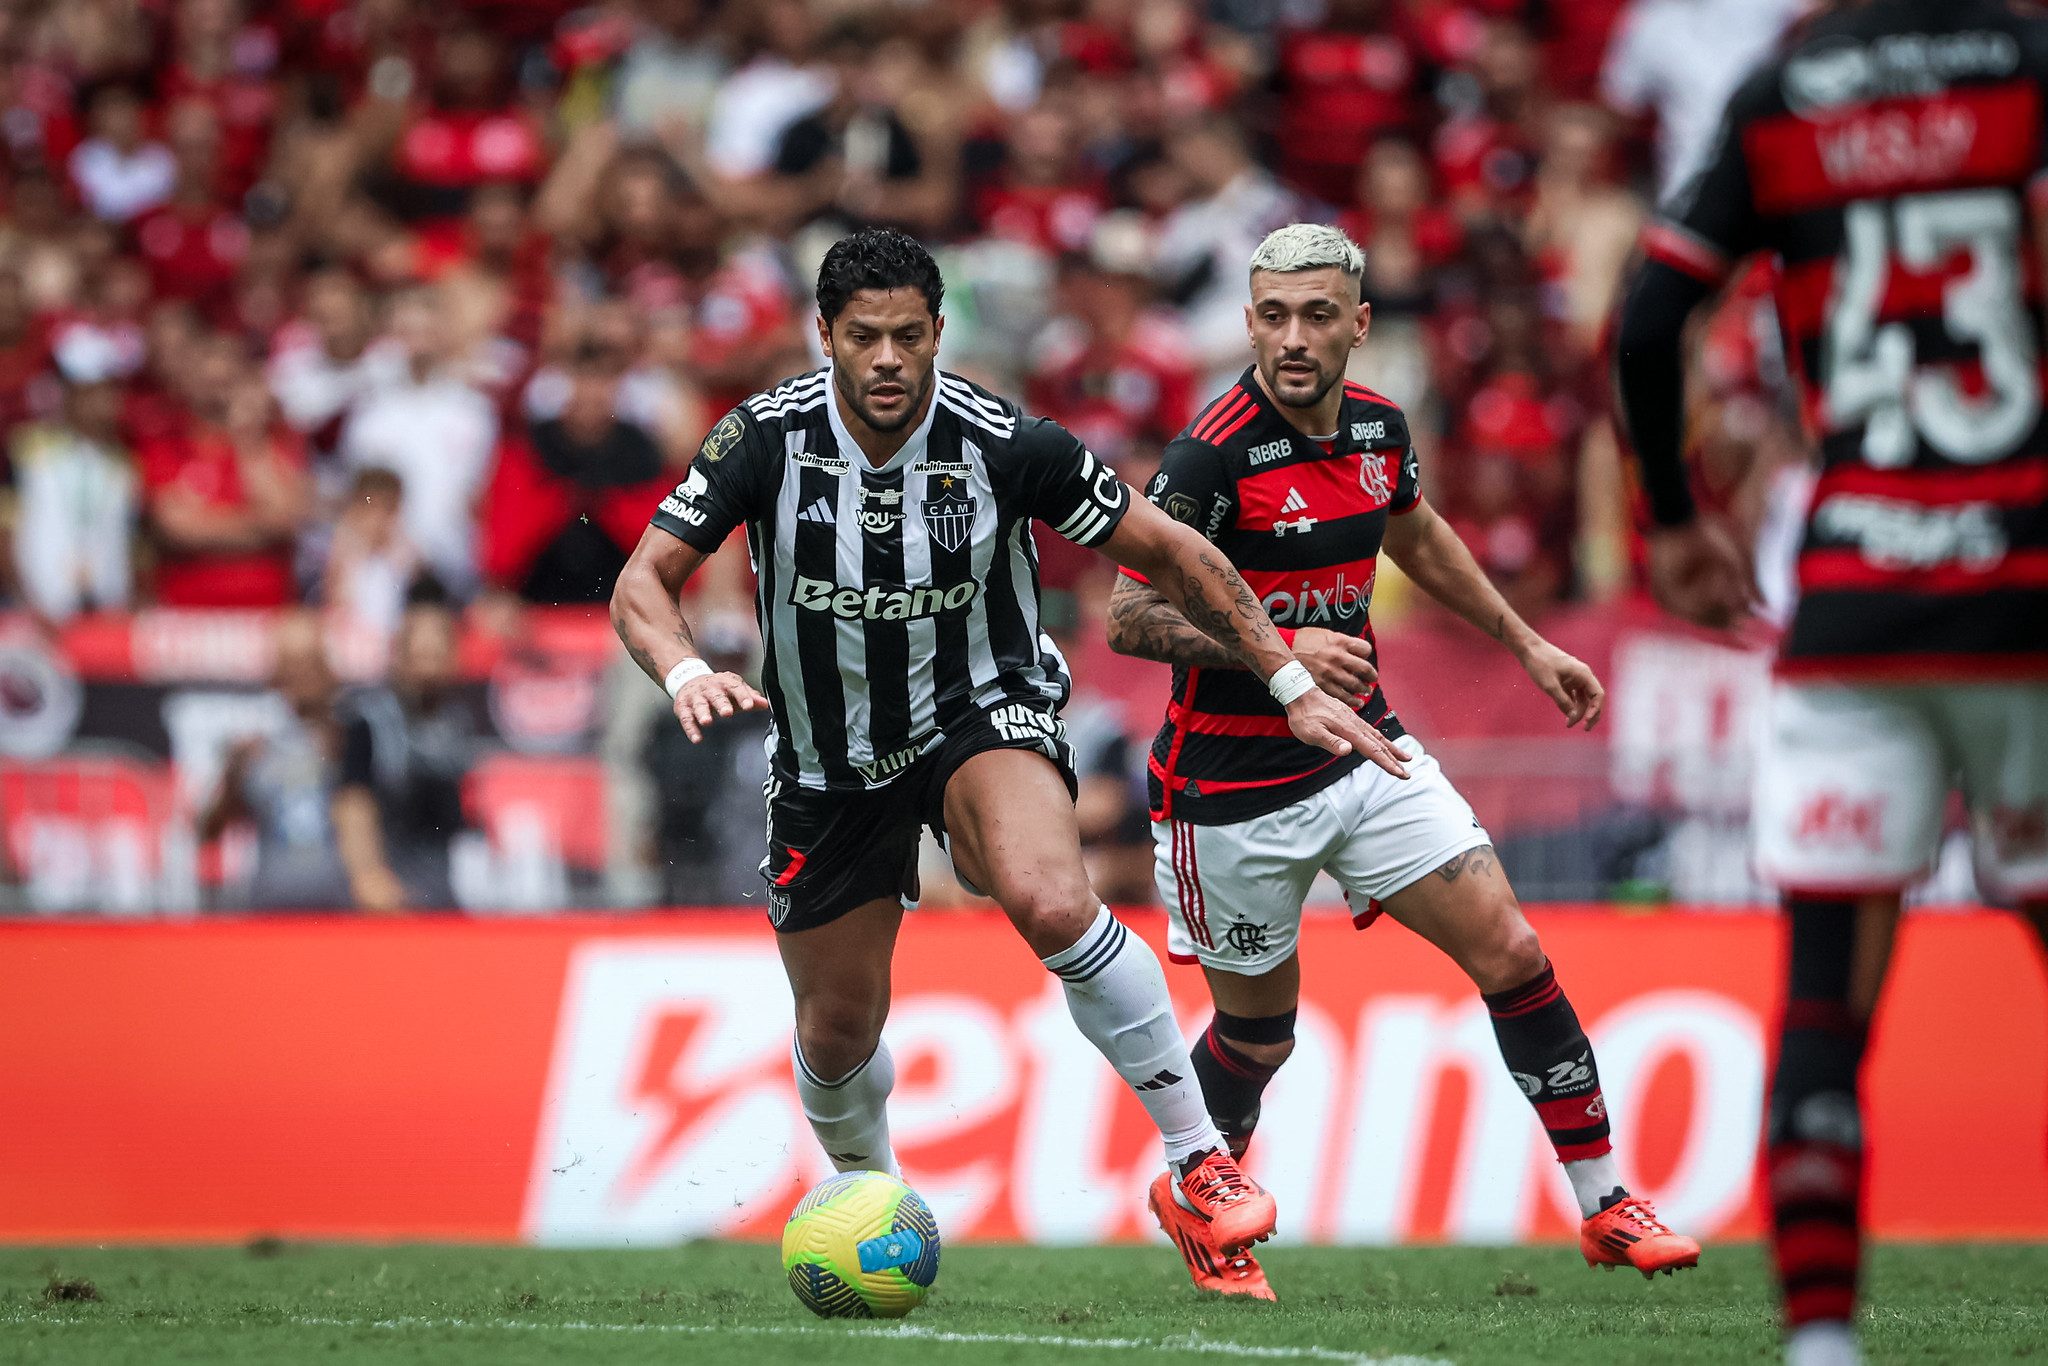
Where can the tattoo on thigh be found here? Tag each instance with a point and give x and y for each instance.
(1478, 862)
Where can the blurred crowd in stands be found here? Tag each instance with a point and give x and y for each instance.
(405, 314)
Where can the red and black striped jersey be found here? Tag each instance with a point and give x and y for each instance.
(1892, 158)
(1302, 521)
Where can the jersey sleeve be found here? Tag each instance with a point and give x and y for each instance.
(723, 488)
(1407, 484)
(1711, 223)
(1065, 486)
(1193, 487)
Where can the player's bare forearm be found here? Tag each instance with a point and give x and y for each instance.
(644, 605)
(1437, 560)
(1144, 625)
(1431, 554)
(1201, 584)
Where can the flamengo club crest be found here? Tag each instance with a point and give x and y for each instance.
(949, 513)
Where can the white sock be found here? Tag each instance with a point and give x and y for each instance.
(849, 1115)
(1824, 1342)
(1593, 1180)
(1117, 996)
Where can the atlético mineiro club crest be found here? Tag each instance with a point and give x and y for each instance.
(949, 514)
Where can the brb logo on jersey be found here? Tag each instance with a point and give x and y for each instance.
(879, 602)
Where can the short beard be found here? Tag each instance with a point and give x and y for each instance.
(1282, 396)
(849, 391)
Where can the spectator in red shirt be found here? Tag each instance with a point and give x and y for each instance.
(1041, 195)
(1343, 85)
(156, 403)
(193, 243)
(569, 497)
(226, 63)
(1486, 151)
(469, 135)
(1406, 237)
(1112, 369)
(227, 495)
(1512, 488)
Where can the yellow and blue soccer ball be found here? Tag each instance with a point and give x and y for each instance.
(861, 1245)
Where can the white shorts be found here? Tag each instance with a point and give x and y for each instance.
(1233, 893)
(1853, 783)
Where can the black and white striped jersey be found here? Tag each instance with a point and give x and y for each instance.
(891, 597)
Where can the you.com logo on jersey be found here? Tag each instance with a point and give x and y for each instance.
(1340, 599)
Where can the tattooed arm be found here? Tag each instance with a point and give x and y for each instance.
(649, 620)
(1195, 578)
(1143, 624)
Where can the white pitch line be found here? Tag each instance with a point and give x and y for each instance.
(907, 1331)
(913, 1332)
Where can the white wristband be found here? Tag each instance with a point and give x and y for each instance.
(1290, 681)
(683, 673)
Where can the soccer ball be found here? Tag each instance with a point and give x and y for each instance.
(861, 1245)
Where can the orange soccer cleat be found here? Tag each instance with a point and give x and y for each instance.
(1627, 1233)
(1237, 1209)
(1236, 1273)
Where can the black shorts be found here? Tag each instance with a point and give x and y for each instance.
(829, 852)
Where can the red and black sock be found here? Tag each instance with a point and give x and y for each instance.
(1814, 1156)
(1233, 1081)
(1551, 1059)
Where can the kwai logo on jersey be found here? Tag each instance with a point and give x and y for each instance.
(949, 514)
(1335, 600)
(879, 602)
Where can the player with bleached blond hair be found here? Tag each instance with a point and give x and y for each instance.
(1302, 478)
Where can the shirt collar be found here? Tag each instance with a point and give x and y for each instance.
(913, 449)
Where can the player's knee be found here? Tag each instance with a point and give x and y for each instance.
(1049, 915)
(836, 1036)
(1507, 954)
(1264, 1054)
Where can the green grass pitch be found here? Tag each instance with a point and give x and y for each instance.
(711, 1303)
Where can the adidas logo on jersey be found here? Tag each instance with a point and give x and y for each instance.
(1295, 503)
(877, 603)
(818, 511)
